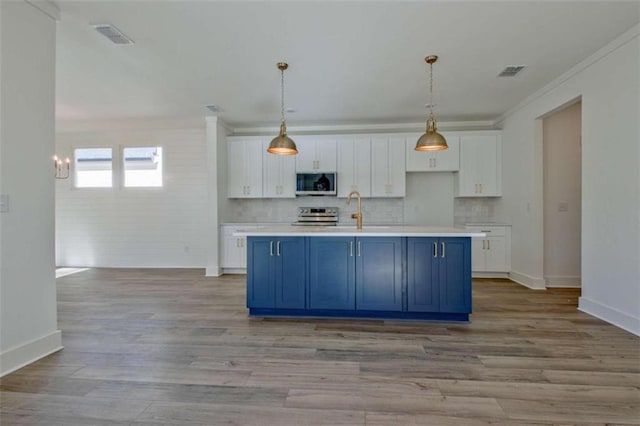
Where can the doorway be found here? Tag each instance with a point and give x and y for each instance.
(562, 196)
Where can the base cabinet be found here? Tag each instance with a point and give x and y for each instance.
(439, 275)
(332, 287)
(355, 273)
(233, 249)
(379, 273)
(368, 277)
(491, 255)
(276, 272)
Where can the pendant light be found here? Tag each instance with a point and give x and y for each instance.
(282, 144)
(431, 140)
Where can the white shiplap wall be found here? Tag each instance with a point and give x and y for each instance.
(135, 227)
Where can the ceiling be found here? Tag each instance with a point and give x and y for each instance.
(350, 62)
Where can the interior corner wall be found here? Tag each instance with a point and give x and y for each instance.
(28, 316)
(608, 85)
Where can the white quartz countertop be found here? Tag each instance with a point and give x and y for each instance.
(366, 231)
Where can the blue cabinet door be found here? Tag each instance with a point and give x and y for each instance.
(260, 272)
(423, 293)
(331, 273)
(455, 274)
(379, 273)
(290, 272)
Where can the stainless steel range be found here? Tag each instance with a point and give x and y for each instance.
(317, 216)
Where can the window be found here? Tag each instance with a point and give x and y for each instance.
(93, 167)
(142, 167)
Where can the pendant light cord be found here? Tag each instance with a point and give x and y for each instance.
(282, 95)
(431, 90)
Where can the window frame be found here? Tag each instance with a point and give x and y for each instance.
(114, 153)
(122, 172)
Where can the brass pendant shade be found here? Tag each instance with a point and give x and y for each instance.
(282, 144)
(431, 140)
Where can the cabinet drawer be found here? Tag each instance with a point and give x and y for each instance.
(491, 231)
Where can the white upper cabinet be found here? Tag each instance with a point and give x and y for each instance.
(244, 165)
(316, 154)
(480, 172)
(388, 174)
(447, 160)
(279, 174)
(354, 165)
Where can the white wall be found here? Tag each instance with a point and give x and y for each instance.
(28, 323)
(136, 227)
(609, 86)
(562, 196)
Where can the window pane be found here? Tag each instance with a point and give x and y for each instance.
(143, 166)
(93, 167)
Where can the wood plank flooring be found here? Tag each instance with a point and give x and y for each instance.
(172, 347)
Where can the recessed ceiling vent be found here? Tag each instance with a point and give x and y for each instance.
(511, 71)
(112, 33)
(213, 108)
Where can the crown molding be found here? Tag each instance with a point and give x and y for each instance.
(365, 128)
(46, 7)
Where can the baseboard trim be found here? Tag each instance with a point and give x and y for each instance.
(610, 315)
(15, 358)
(565, 281)
(478, 274)
(527, 280)
(238, 271)
(212, 271)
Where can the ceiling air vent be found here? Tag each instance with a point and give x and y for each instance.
(213, 108)
(112, 33)
(511, 71)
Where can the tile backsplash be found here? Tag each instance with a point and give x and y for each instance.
(389, 211)
(375, 210)
(466, 210)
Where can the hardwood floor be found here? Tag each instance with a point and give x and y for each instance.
(172, 347)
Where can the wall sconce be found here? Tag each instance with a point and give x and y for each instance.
(61, 172)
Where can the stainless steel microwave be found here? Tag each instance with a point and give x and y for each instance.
(316, 183)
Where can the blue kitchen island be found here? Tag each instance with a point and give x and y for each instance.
(393, 272)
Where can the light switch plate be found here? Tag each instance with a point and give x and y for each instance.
(4, 203)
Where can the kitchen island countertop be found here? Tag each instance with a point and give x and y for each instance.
(366, 231)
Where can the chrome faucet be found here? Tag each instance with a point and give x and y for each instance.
(356, 216)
